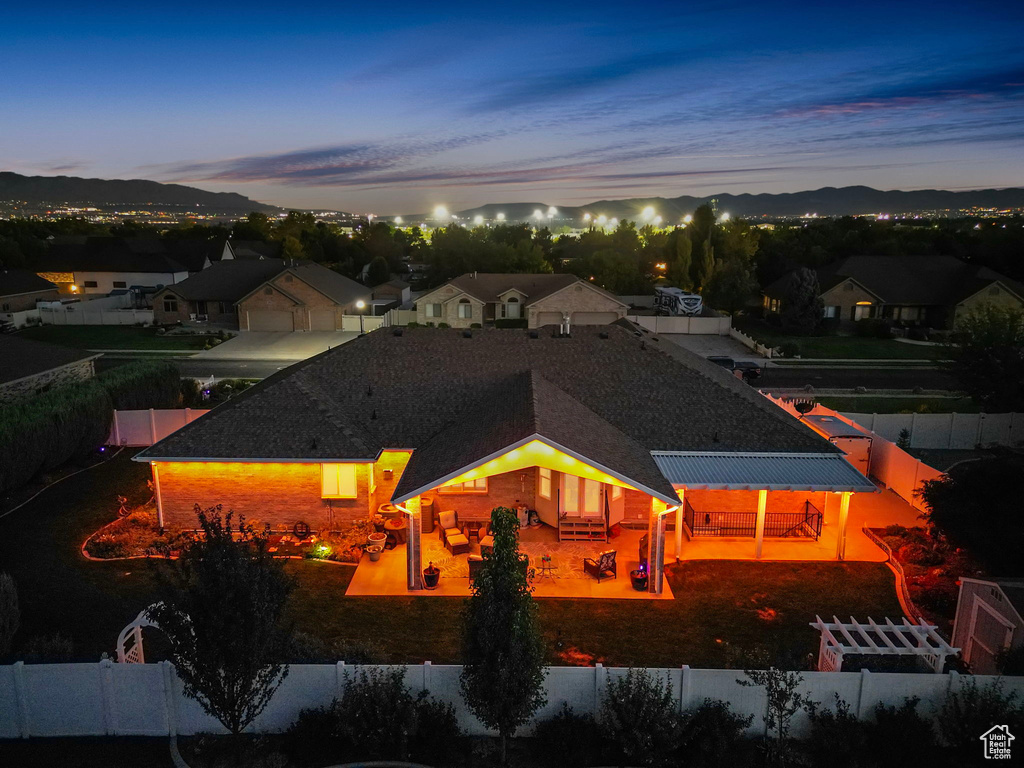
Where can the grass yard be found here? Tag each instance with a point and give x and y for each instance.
(837, 347)
(901, 404)
(110, 337)
(722, 608)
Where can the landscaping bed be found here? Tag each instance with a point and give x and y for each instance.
(113, 337)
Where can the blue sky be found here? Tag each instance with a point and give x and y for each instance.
(395, 107)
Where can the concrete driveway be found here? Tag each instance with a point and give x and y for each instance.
(268, 345)
(706, 346)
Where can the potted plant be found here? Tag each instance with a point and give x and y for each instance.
(376, 538)
(639, 579)
(431, 575)
(374, 551)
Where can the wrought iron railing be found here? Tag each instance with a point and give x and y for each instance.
(805, 524)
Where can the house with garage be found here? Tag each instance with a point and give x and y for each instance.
(28, 367)
(209, 297)
(604, 440)
(931, 291)
(20, 289)
(518, 300)
(304, 296)
(989, 621)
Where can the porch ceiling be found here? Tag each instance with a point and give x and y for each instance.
(757, 471)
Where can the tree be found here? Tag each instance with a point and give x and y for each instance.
(987, 355)
(802, 307)
(678, 259)
(503, 652)
(730, 287)
(379, 271)
(783, 701)
(976, 505)
(10, 614)
(291, 249)
(642, 718)
(222, 606)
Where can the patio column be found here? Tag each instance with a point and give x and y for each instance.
(413, 559)
(844, 513)
(159, 497)
(656, 553)
(679, 521)
(762, 506)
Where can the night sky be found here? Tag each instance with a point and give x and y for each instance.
(396, 107)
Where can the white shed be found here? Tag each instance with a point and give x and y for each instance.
(989, 620)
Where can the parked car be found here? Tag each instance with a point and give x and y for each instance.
(747, 370)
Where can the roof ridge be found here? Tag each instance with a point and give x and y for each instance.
(317, 394)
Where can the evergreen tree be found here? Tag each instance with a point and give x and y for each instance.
(802, 307)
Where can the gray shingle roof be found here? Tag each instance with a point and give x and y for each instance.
(227, 280)
(334, 285)
(116, 254)
(488, 286)
(384, 391)
(15, 281)
(24, 357)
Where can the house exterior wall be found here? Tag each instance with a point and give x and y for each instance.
(449, 298)
(33, 385)
(506, 490)
(19, 302)
(574, 298)
(281, 289)
(994, 295)
(105, 280)
(280, 494)
(845, 296)
(187, 308)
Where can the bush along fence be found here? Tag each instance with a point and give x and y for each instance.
(46, 431)
(104, 698)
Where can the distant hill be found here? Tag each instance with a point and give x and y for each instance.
(73, 190)
(828, 201)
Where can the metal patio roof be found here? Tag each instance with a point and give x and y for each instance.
(756, 471)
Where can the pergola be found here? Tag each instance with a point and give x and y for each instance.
(890, 639)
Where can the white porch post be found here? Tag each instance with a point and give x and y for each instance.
(159, 497)
(679, 522)
(844, 512)
(762, 506)
(656, 553)
(413, 560)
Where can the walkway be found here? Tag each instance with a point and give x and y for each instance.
(283, 346)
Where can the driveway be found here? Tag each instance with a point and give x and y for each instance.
(267, 345)
(706, 346)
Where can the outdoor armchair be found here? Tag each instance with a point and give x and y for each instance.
(602, 566)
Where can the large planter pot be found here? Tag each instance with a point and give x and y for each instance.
(639, 580)
(377, 538)
(431, 576)
(374, 552)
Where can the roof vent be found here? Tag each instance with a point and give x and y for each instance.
(603, 335)
(313, 446)
(397, 332)
(369, 391)
(534, 334)
(643, 344)
(467, 334)
(373, 416)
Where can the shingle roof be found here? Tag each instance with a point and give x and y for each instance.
(385, 391)
(112, 254)
(227, 280)
(488, 286)
(255, 249)
(332, 284)
(520, 407)
(24, 357)
(15, 281)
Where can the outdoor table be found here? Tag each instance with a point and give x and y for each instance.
(396, 528)
(547, 566)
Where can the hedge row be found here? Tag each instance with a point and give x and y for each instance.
(44, 432)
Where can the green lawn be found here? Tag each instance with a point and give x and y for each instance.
(720, 608)
(110, 337)
(901, 404)
(837, 347)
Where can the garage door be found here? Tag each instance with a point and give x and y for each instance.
(549, 318)
(594, 318)
(270, 320)
(321, 320)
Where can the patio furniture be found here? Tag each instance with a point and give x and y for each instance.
(476, 563)
(486, 539)
(457, 544)
(602, 566)
(547, 566)
(449, 532)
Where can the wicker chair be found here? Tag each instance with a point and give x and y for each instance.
(602, 566)
(450, 534)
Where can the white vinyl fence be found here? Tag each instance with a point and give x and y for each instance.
(369, 323)
(399, 317)
(946, 430)
(751, 343)
(698, 326)
(20, 319)
(104, 698)
(109, 310)
(142, 428)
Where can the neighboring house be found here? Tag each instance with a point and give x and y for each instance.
(20, 289)
(101, 265)
(29, 367)
(482, 298)
(210, 296)
(255, 249)
(305, 297)
(933, 291)
(397, 291)
(989, 621)
(590, 431)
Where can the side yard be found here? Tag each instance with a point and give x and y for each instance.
(835, 347)
(723, 610)
(111, 337)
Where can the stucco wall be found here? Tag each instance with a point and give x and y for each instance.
(33, 385)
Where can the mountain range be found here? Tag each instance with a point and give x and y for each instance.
(73, 190)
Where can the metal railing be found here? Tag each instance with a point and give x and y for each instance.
(805, 524)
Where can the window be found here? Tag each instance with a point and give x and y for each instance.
(338, 481)
(470, 486)
(465, 309)
(545, 482)
(90, 284)
(831, 312)
(170, 304)
(120, 284)
(616, 492)
(581, 497)
(433, 310)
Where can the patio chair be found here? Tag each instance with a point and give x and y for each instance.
(602, 566)
(486, 539)
(450, 534)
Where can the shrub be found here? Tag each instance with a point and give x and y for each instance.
(837, 738)
(712, 736)
(437, 738)
(789, 349)
(874, 328)
(412, 324)
(149, 384)
(971, 711)
(917, 333)
(10, 614)
(568, 739)
(310, 649)
(900, 736)
(48, 649)
(511, 322)
(443, 325)
(475, 325)
(641, 718)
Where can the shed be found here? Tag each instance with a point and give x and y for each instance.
(989, 621)
(850, 439)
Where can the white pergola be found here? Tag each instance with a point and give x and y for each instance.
(889, 639)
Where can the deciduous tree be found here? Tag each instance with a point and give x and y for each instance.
(987, 354)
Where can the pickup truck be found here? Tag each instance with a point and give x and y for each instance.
(747, 370)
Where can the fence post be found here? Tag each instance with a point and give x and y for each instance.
(152, 426)
(107, 697)
(170, 700)
(684, 688)
(981, 424)
(860, 693)
(339, 680)
(117, 430)
(598, 687)
(426, 676)
(21, 696)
